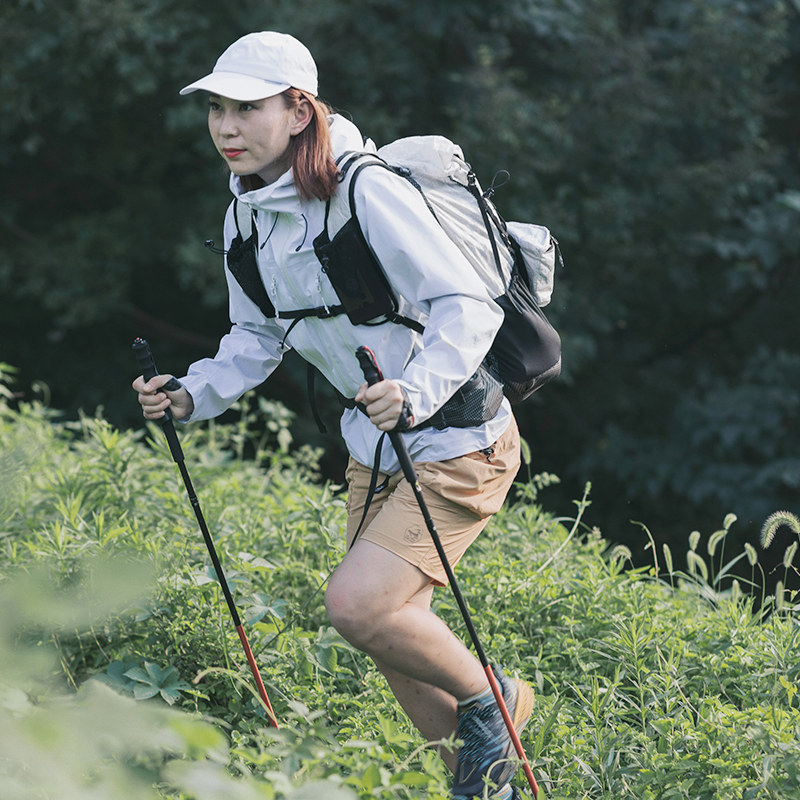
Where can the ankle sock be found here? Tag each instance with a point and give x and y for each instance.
(481, 696)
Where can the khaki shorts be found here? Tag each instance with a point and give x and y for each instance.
(461, 494)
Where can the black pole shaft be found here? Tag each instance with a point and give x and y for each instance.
(411, 476)
(373, 375)
(212, 550)
(148, 367)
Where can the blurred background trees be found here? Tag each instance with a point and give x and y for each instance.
(658, 139)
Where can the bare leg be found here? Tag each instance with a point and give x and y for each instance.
(430, 709)
(380, 604)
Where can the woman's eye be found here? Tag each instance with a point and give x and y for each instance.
(246, 107)
(212, 106)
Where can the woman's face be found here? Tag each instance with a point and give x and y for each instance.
(255, 138)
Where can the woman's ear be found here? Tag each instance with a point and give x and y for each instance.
(303, 114)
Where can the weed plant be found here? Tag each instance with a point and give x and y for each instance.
(121, 675)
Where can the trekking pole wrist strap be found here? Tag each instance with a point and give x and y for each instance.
(406, 419)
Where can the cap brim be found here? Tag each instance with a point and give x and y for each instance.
(236, 86)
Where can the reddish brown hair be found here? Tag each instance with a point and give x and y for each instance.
(314, 169)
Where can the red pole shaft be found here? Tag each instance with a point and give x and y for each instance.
(256, 674)
(501, 704)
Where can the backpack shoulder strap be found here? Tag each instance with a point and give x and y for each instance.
(398, 319)
(243, 218)
(241, 259)
(357, 162)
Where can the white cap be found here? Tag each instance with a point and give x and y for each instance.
(260, 65)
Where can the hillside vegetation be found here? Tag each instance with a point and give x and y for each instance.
(121, 675)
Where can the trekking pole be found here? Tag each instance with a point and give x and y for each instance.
(148, 367)
(372, 374)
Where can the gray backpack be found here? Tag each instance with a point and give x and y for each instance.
(516, 261)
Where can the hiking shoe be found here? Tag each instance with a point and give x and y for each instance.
(486, 739)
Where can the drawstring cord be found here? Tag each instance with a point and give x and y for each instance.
(274, 223)
(305, 234)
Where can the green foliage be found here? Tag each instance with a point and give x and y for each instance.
(651, 682)
(95, 743)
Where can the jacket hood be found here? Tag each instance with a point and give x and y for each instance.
(346, 136)
(281, 195)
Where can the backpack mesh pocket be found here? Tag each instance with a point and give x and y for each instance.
(476, 402)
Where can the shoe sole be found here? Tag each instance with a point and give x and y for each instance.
(524, 707)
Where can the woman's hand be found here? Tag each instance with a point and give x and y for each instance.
(384, 403)
(155, 401)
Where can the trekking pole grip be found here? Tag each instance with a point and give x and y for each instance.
(148, 367)
(369, 366)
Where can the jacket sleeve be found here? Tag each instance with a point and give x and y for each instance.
(246, 357)
(427, 269)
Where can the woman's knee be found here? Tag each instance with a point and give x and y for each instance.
(349, 614)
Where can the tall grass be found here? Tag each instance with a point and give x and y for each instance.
(121, 675)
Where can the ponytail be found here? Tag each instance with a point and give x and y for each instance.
(313, 167)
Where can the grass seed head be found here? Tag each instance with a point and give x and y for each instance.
(776, 520)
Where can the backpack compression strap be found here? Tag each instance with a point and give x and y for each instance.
(491, 220)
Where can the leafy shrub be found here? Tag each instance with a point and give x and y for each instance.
(650, 683)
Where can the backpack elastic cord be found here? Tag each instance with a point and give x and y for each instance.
(373, 487)
(311, 374)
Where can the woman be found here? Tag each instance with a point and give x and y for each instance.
(280, 144)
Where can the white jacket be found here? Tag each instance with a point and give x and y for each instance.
(426, 271)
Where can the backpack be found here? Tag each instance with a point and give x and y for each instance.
(515, 261)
